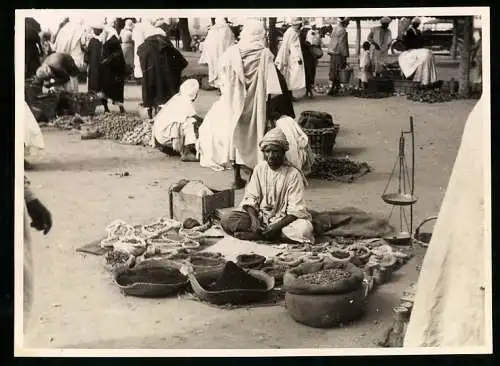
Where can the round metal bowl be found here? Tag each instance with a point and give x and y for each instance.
(235, 297)
(148, 289)
(400, 239)
(399, 199)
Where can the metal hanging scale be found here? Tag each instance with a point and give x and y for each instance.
(404, 196)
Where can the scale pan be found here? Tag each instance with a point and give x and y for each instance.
(399, 199)
(399, 239)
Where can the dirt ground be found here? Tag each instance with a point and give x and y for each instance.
(75, 302)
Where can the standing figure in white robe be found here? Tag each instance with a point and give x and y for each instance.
(380, 38)
(71, 39)
(452, 290)
(273, 207)
(248, 77)
(289, 60)
(219, 38)
(137, 39)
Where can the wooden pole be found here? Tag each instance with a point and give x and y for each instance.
(358, 37)
(273, 37)
(464, 68)
(454, 40)
(212, 20)
(184, 34)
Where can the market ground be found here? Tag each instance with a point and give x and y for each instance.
(75, 302)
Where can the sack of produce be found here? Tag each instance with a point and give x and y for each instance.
(323, 278)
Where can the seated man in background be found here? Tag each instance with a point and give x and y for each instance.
(273, 207)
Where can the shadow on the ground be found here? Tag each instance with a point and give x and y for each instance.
(340, 152)
(109, 163)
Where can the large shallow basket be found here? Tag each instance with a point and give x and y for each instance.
(31, 90)
(322, 140)
(83, 104)
(235, 297)
(44, 106)
(146, 289)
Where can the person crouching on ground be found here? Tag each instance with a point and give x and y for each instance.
(273, 207)
(365, 66)
(175, 126)
(56, 71)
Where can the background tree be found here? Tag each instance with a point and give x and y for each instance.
(184, 34)
(465, 57)
(273, 36)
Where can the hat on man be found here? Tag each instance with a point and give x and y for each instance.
(296, 21)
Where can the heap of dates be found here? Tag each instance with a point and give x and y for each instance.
(141, 135)
(430, 96)
(115, 125)
(330, 168)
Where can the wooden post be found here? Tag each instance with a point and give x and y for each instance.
(273, 36)
(464, 68)
(454, 40)
(212, 20)
(184, 34)
(358, 37)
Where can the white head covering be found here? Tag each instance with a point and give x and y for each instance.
(385, 20)
(97, 25)
(175, 112)
(220, 20)
(296, 21)
(253, 35)
(129, 24)
(150, 30)
(190, 88)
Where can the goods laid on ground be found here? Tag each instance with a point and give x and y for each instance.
(140, 135)
(83, 104)
(232, 286)
(151, 281)
(369, 94)
(430, 96)
(115, 125)
(335, 169)
(325, 294)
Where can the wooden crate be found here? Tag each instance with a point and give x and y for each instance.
(184, 206)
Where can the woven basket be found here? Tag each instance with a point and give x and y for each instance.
(83, 104)
(381, 85)
(403, 87)
(322, 140)
(44, 106)
(31, 90)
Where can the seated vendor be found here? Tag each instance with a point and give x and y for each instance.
(175, 126)
(56, 70)
(417, 63)
(273, 207)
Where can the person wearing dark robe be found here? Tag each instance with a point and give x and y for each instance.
(107, 67)
(281, 104)
(412, 38)
(32, 46)
(310, 60)
(161, 65)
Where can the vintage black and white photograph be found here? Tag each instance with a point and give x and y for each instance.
(220, 181)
